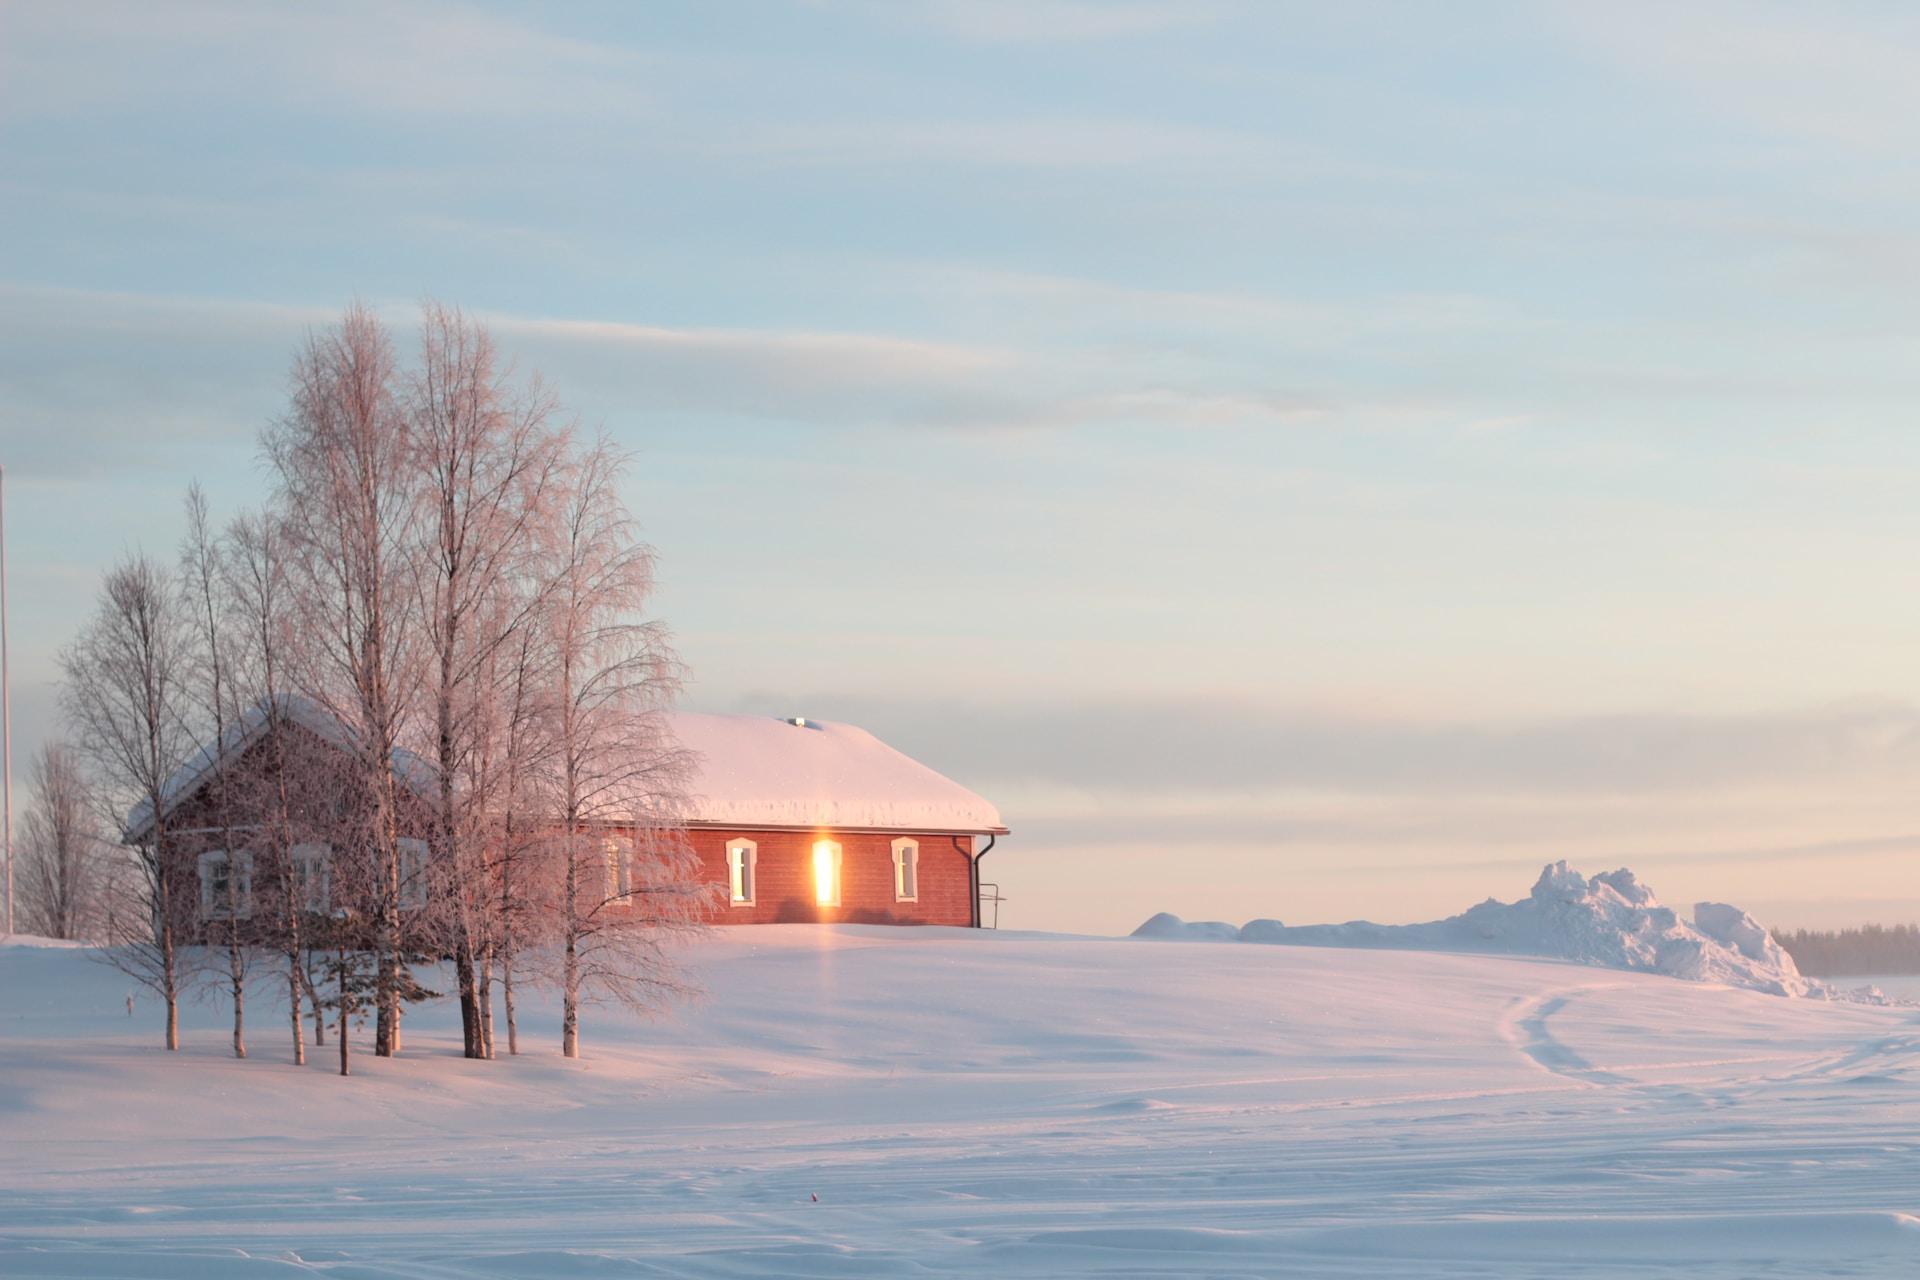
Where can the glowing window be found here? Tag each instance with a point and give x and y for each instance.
(311, 890)
(826, 873)
(906, 870)
(619, 869)
(741, 856)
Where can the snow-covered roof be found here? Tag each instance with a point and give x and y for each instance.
(749, 771)
(761, 771)
(409, 768)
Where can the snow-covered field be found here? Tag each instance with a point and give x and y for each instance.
(988, 1104)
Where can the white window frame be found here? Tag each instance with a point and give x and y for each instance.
(839, 861)
(906, 870)
(312, 865)
(239, 866)
(415, 855)
(743, 872)
(619, 851)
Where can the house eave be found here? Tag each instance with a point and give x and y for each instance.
(135, 836)
(704, 824)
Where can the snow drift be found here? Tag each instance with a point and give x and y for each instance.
(1609, 920)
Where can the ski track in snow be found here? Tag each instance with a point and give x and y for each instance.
(986, 1105)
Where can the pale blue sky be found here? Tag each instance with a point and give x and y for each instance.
(1299, 460)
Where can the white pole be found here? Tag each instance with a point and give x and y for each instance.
(6, 707)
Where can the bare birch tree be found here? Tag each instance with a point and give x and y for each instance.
(64, 864)
(487, 456)
(256, 575)
(125, 694)
(496, 787)
(204, 583)
(348, 492)
(519, 731)
(627, 881)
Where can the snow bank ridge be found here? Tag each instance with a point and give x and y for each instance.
(1610, 920)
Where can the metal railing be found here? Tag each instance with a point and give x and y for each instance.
(990, 893)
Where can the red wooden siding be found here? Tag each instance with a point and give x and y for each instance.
(785, 892)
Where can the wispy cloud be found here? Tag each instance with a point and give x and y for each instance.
(1207, 749)
(826, 355)
(858, 380)
(1036, 21)
(112, 382)
(1056, 143)
(128, 377)
(435, 60)
(1833, 74)
(1233, 315)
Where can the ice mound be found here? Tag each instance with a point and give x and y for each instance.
(1610, 920)
(1168, 925)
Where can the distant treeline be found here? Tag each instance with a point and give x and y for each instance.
(1871, 948)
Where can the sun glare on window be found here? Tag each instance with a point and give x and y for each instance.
(826, 874)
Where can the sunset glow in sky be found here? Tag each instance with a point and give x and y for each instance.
(1296, 460)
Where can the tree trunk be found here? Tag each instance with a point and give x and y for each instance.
(169, 978)
(297, 980)
(486, 1004)
(506, 940)
(570, 1004)
(295, 990)
(570, 977)
(346, 1012)
(386, 934)
(506, 999)
(451, 847)
(384, 1001)
(236, 974)
(463, 969)
(319, 1015)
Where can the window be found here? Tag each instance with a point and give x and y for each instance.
(311, 890)
(826, 873)
(741, 855)
(906, 870)
(226, 885)
(413, 872)
(619, 869)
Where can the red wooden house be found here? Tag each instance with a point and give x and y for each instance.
(813, 820)
(792, 820)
